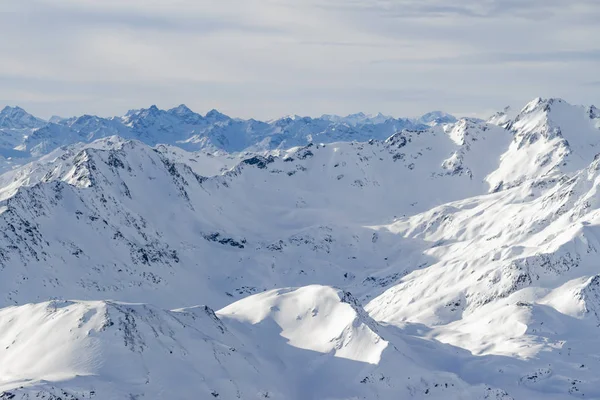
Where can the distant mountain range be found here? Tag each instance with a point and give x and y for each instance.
(23, 135)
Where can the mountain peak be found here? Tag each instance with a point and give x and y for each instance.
(551, 138)
(532, 104)
(18, 118)
(216, 115)
(356, 115)
(143, 112)
(540, 102)
(181, 109)
(436, 117)
(152, 111)
(10, 109)
(185, 114)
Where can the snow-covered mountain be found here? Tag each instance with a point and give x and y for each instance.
(26, 137)
(551, 137)
(308, 343)
(436, 118)
(457, 260)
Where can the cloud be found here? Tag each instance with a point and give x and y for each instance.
(409, 9)
(265, 58)
(62, 15)
(532, 58)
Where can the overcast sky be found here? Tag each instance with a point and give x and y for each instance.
(268, 58)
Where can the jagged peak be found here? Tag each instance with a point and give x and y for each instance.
(532, 105)
(540, 103)
(143, 112)
(400, 138)
(86, 118)
(132, 112)
(16, 117)
(181, 109)
(11, 109)
(216, 115)
(538, 108)
(552, 111)
(185, 114)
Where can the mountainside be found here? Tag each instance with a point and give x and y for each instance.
(551, 137)
(456, 260)
(119, 350)
(284, 219)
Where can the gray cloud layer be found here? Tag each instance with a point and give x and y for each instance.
(266, 58)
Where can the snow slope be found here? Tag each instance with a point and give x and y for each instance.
(469, 249)
(551, 137)
(308, 343)
(284, 219)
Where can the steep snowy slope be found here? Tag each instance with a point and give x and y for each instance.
(513, 273)
(107, 350)
(308, 343)
(118, 219)
(552, 137)
(60, 160)
(515, 238)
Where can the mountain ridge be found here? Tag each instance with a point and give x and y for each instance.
(182, 127)
(451, 261)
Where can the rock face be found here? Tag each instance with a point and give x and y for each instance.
(457, 260)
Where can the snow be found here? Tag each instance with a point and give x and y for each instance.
(551, 136)
(457, 260)
(312, 318)
(116, 350)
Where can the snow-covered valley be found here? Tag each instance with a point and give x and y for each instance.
(359, 257)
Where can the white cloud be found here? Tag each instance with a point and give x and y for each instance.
(266, 58)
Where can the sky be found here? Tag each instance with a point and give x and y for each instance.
(268, 58)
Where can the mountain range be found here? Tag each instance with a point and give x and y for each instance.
(25, 136)
(166, 254)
